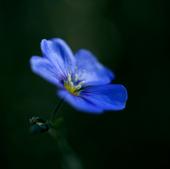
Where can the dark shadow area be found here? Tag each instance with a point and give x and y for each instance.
(131, 38)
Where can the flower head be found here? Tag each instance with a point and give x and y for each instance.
(82, 80)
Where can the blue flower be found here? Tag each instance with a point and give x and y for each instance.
(82, 80)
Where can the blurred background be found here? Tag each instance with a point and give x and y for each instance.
(128, 36)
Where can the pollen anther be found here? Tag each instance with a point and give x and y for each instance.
(71, 86)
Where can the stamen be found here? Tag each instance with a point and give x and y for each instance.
(71, 83)
(76, 77)
(69, 77)
(71, 86)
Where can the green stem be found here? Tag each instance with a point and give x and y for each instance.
(69, 159)
(57, 108)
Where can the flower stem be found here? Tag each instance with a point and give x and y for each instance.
(68, 158)
(57, 108)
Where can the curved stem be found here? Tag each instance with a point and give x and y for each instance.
(57, 108)
(68, 158)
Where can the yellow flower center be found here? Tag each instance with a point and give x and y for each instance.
(71, 87)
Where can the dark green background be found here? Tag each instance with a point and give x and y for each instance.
(128, 36)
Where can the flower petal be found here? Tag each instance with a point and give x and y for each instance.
(45, 69)
(80, 103)
(107, 97)
(59, 54)
(91, 70)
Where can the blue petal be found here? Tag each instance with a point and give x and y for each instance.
(45, 69)
(80, 103)
(107, 97)
(59, 54)
(91, 70)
